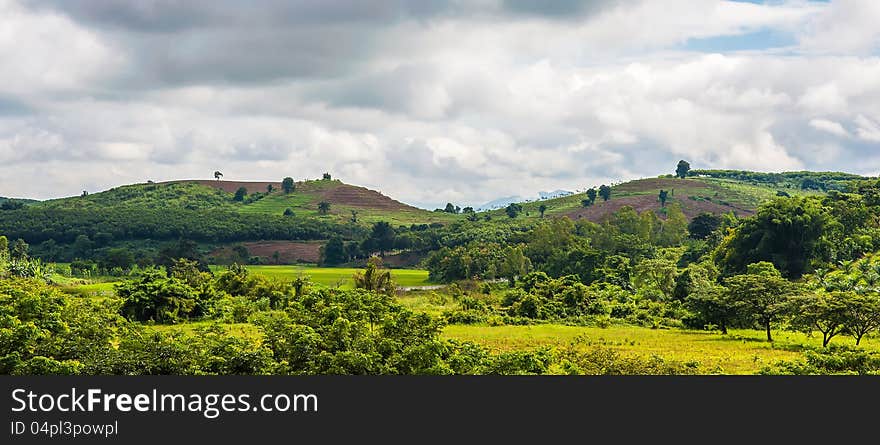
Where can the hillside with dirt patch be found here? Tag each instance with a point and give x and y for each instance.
(288, 252)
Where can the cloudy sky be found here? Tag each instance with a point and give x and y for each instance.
(432, 101)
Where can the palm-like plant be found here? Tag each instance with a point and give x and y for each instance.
(375, 279)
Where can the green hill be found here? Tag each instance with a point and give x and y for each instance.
(712, 191)
(368, 205)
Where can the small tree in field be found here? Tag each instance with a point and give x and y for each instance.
(270, 188)
(513, 209)
(761, 293)
(287, 185)
(542, 208)
(664, 195)
(823, 312)
(240, 194)
(323, 207)
(591, 195)
(375, 279)
(605, 192)
(862, 315)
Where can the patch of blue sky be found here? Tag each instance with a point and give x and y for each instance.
(762, 39)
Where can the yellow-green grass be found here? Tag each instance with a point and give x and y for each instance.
(244, 330)
(335, 276)
(740, 352)
(750, 195)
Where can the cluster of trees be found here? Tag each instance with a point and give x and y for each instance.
(557, 246)
(298, 329)
(806, 180)
(80, 233)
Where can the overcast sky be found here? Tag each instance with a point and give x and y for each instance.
(432, 101)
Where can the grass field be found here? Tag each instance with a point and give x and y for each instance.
(740, 352)
(335, 276)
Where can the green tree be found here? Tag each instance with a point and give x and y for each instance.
(240, 194)
(702, 226)
(710, 307)
(156, 297)
(786, 231)
(862, 314)
(326, 177)
(19, 250)
(604, 192)
(515, 264)
(333, 252)
(450, 208)
(82, 246)
(761, 294)
(4, 254)
(820, 311)
(288, 212)
(382, 237)
(591, 195)
(682, 169)
(674, 229)
(270, 188)
(287, 185)
(375, 279)
(542, 208)
(218, 175)
(656, 274)
(323, 207)
(663, 196)
(513, 210)
(121, 258)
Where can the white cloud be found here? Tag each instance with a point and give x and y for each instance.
(868, 130)
(829, 126)
(847, 26)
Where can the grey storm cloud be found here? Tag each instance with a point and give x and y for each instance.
(558, 8)
(178, 15)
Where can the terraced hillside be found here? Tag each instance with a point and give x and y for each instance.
(369, 205)
(696, 195)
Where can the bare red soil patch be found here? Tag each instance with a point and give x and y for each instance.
(289, 252)
(349, 195)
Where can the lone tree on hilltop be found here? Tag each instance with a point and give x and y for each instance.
(326, 176)
(287, 184)
(605, 192)
(218, 175)
(542, 208)
(682, 169)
